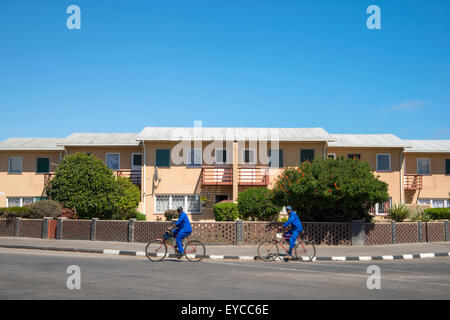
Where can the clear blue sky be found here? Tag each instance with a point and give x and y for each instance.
(254, 63)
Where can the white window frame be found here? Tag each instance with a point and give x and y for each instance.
(429, 167)
(446, 202)
(21, 199)
(185, 204)
(390, 162)
(9, 165)
(106, 159)
(331, 154)
(188, 158)
(216, 153)
(243, 156)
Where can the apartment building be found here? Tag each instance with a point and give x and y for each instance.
(177, 166)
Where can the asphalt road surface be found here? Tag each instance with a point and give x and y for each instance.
(33, 274)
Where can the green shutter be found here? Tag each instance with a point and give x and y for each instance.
(447, 166)
(43, 165)
(163, 158)
(306, 155)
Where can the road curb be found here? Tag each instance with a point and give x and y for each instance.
(243, 258)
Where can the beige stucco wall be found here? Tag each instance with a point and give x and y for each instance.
(29, 183)
(435, 185)
(392, 178)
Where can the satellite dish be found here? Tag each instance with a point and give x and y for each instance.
(156, 174)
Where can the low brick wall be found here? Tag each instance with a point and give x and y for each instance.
(232, 233)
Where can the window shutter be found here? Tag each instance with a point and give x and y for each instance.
(163, 158)
(43, 165)
(447, 166)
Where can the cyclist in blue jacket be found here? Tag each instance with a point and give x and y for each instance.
(296, 228)
(183, 229)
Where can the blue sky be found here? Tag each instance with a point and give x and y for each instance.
(255, 63)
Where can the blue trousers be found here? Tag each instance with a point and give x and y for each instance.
(293, 239)
(180, 235)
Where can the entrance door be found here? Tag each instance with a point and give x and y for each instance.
(220, 198)
(136, 161)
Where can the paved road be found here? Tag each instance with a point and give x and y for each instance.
(33, 274)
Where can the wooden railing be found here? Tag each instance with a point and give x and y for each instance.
(253, 176)
(217, 176)
(134, 175)
(412, 182)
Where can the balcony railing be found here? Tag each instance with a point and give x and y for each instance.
(253, 176)
(134, 175)
(217, 176)
(48, 177)
(412, 182)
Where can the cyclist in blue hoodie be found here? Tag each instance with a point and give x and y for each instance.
(183, 229)
(296, 228)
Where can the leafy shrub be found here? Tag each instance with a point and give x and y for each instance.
(331, 190)
(419, 215)
(13, 212)
(45, 208)
(134, 215)
(69, 213)
(398, 212)
(127, 200)
(171, 214)
(226, 211)
(256, 204)
(438, 213)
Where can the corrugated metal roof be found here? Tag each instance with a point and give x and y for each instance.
(367, 140)
(232, 134)
(31, 144)
(428, 146)
(100, 139)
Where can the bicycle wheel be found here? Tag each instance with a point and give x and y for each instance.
(156, 250)
(268, 250)
(194, 251)
(305, 251)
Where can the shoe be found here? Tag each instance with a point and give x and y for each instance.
(180, 255)
(288, 257)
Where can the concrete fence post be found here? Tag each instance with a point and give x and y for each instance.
(45, 227)
(358, 233)
(446, 231)
(131, 230)
(59, 227)
(420, 228)
(239, 233)
(16, 226)
(394, 232)
(93, 228)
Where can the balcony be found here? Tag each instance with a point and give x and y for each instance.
(253, 177)
(217, 176)
(412, 182)
(134, 175)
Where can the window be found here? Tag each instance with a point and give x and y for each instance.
(249, 156)
(163, 157)
(113, 161)
(447, 166)
(435, 203)
(276, 158)
(194, 158)
(43, 165)
(190, 203)
(221, 156)
(438, 203)
(354, 156)
(424, 201)
(15, 165)
(381, 208)
(22, 201)
(383, 162)
(423, 166)
(332, 156)
(137, 160)
(306, 155)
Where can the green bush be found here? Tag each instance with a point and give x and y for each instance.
(45, 208)
(13, 212)
(331, 190)
(87, 185)
(226, 211)
(438, 213)
(398, 212)
(419, 215)
(256, 204)
(171, 214)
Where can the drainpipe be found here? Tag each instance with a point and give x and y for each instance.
(235, 171)
(401, 176)
(143, 176)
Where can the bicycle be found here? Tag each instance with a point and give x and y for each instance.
(268, 250)
(156, 250)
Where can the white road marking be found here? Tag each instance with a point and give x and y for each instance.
(388, 257)
(365, 258)
(407, 256)
(108, 251)
(215, 257)
(427, 255)
(338, 258)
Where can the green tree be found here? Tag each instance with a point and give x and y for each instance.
(330, 190)
(127, 200)
(85, 183)
(226, 211)
(256, 204)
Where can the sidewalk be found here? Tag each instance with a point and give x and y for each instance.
(245, 252)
